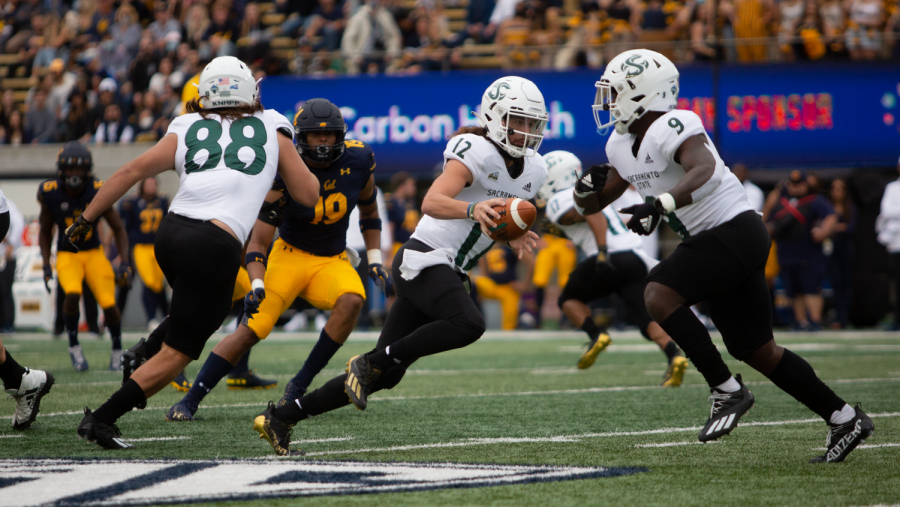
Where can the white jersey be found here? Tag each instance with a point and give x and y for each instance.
(226, 168)
(618, 237)
(462, 238)
(654, 172)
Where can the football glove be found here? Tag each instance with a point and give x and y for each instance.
(252, 301)
(48, 276)
(123, 275)
(603, 268)
(78, 231)
(644, 217)
(381, 277)
(593, 180)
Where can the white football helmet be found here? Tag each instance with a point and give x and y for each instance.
(514, 105)
(227, 82)
(563, 170)
(636, 81)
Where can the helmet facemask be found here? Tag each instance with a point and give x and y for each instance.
(519, 125)
(321, 154)
(74, 181)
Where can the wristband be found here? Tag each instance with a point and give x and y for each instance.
(370, 200)
(374, 256)
(470, 212)
(579, 209)
(254, 257)
(667, 201)
(257, 284)
(582, 195)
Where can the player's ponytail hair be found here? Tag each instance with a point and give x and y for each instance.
(478, 131)
(226, 113)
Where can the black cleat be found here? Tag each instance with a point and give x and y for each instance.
(360, 377)
(180, 412)
(843, 438)
(291, 393)
(133, 358)
(275, 432)
(181, 383)
(105, 435)
(249, 380)
(727, 409)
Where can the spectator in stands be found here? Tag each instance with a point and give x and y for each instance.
(158, 81)
(834, 23)
(15, 132)
(22, 20)
(800, 221)
(426, 50)
(103, 19)
(106, 95)
(840, 262)
(700, 31)
(371, 40)
(253, 36)
(892, 33)
(327, 21)
(888, 227)
(114, 128)
(145, 63)
(503, 10)
(125, 33)
(7, 106)
(40, 121)
(62, 85)
(811, 41)
(297, 12)
(478, 15)
(78, 124)
(222, 31)
(864, 29)
(164, 25)
(195, 25)
(789, 14)
(754, 193)
(751, 17)
(513, 33)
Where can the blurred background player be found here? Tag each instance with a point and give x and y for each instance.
(308, 259)
(403, 213)
(615, 264)
(888, 228)
(142, 214)
(24, 385)
(62, 201)
(499, 281)
(9, 247)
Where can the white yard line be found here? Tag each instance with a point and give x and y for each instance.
(157, 439)
(564, 438)
(11, 436)
(314, 441)
(673, 444)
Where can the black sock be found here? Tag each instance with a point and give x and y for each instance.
(115, 334)
(155, 341)
(163, 303)
(329, 397)
(11, 372)
(796, 377)
(148, 297)
(243, 365)
(71, 321)
(693, 338)
(129, 396)
(214, 369)
(671, 350)
(383, 360)
(591, 328)
(318, 358)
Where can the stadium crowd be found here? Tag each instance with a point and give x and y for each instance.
(114, 71)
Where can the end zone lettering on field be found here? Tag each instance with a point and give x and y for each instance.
(145, 482)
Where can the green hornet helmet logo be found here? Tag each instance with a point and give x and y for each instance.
(497, 93)
(632, 63)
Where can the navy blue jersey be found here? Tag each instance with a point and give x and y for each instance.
(322, 230)
(142, 217)
(65, 209)
(404, 216)
(501, 265)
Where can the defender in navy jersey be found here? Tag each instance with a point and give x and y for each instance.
(308, 259)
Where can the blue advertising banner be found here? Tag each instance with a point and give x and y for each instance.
(789, 115)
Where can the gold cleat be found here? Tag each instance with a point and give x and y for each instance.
(277, 433)
(675, 374)
(593, 350)
(249, 380)
(360, 377)
(181, 383)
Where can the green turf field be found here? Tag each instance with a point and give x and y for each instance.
(518, 399)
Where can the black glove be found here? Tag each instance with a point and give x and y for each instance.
(644, 217)
(593, 180)
(603, 268)
(381, 277)
(252, 301)
(78, 231)
(48, 276)
(123, 275)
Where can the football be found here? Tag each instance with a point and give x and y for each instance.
(516, 218)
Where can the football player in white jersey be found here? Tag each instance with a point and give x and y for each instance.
(24, 385)
(226, 151)
(615, 263)
(671, 160)
(433, 312)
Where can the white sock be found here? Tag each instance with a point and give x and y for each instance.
(843, 415)
(729, 386)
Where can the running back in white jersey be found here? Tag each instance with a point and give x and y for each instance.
(226, 168)
(490, 179)
(618, 237)
(654, 172)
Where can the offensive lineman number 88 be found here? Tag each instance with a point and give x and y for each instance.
(238, 141)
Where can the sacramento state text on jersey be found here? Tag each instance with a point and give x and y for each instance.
(322, 230)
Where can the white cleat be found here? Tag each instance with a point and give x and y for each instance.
(35, 384)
